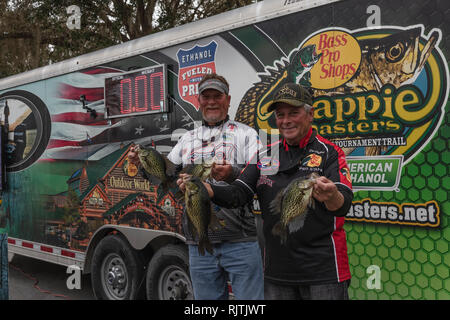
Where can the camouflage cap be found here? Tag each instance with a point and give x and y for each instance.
(293, 94)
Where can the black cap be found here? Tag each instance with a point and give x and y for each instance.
(293, 94)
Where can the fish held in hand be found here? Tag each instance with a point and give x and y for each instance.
(198, 210)
(200, 170)
(160, 169)
(292, 204)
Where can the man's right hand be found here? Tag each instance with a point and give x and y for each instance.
(183, 177)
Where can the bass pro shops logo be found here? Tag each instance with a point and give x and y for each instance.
(312, 160)
(194, 63)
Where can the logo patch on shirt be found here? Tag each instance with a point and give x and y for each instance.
(346, 173)
(312, 160)
(264, 180)
(267, 164)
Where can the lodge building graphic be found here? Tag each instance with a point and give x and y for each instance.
(109, 191)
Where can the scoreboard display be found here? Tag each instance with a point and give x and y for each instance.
(136, 92)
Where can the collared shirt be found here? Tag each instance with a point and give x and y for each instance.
(232, 141)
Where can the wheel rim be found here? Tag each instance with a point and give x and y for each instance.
(114, 277)
(174, 284)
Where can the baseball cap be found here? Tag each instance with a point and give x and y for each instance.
(293, 94)
(213, 84)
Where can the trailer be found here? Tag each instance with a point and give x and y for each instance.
(379, 74)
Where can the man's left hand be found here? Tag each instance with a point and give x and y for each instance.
(325, 191)
(221, 171)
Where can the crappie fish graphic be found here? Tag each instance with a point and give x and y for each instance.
(396, 60)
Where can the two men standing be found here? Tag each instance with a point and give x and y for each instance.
(307, 262)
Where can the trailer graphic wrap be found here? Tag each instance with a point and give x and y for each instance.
(380, 93)
(3, 266)
(108, 193)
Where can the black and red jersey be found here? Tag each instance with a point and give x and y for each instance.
(317, 253)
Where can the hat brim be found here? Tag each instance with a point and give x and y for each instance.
(215, 85)
(292, 102)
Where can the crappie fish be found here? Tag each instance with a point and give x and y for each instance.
(292, 204)
(200, 170)
(198, 210)
(157, 166)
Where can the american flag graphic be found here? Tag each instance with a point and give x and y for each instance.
(75, 134)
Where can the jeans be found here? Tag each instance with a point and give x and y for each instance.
(238, 262)
(329, 291)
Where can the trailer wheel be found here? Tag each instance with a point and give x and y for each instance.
(116, 270)
(168, 275)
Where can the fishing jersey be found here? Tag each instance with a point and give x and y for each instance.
(232, 141)
(316, 253)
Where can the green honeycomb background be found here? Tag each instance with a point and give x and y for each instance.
(414, 261)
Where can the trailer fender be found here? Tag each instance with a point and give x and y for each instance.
(138, 239)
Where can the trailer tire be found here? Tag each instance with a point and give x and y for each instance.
(168, 274)
(117, 270)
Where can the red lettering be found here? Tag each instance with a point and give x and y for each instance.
(156, 93)
(324, 72)
(326, 42)
(330, 70)
(323, 41)
(330, 42)
(125, 91)
(338, 41)
(353, 68)
(143, 79)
